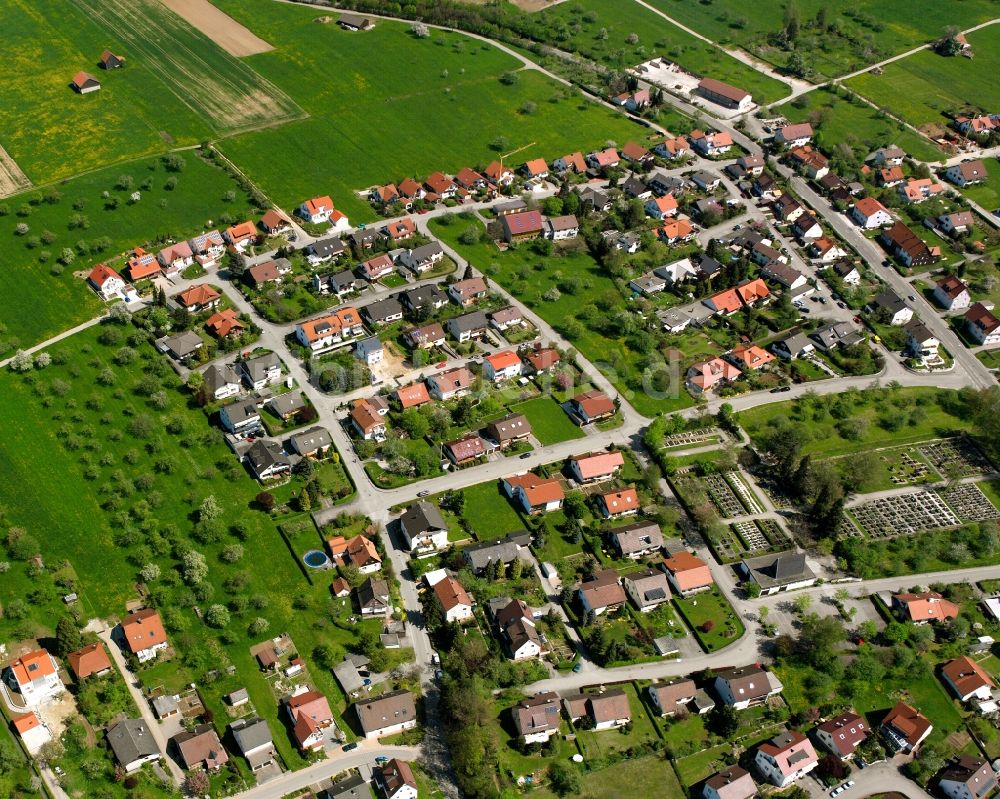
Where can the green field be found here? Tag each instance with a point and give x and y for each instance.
(711, 606)
(108, 466)
(875, 28)
(36, 303)
(925, 412)
(177, 87)
(578, 26)
(853, 122)
(923, 87)
(489, 513)
(549, 421)
(421, 105)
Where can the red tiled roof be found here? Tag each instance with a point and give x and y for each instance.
(202, 294)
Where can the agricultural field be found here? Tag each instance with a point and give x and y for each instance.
(925, 87)
(853, 122)
(42, 296)
(871, 29)
(601, 30)
(121, 466)
(423, 105)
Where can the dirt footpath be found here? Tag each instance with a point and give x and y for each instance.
(221, 28)
(12, 179)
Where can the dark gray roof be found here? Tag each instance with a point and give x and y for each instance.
(353, 787)
(285, 404)
(890, 301)
(183, 344)
(257, 368)
(241, 410)
(382, 309)
(131, 740)
(423, 295)
(217, 376)
(265, 454)
(779, 569)
(422, 517)
(425, 251)
(480, 555)
(324, 248)
(311, 439)
(373, 594)
(469, 321)
(250, 733)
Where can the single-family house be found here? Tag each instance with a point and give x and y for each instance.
(241, 417)
(574, 162)
(967, 679)
(267, 460)
(106, 282)
(826, 250)
(426, 337)
(983, 325)
(533, 493)
(869, 213)
(905, 728)
(395, 780)
(386, 714)
(132, 744)
(378, 267)
(793, 346)
(785, 758)
(647, 284)
(750, 357)
(221, 381)
(604, 159)
(951, 293)
(535, 169)
(369, 351)
(181, 346)
(711, 143)
(920, 341)
(907, 246)
(706, 375)
(889, 176)
(367, 421)
(636, 540)
(967, 173)
(208, 247)
(956, 223)
(440, 187)
(967, 777)
(383, 312)
(223, 324)
(601, 593)
(617, 503)
(423, 258)
(35, 676)
(591, 406)
(732, 782)
(606, 710)
(275, 222)
(253, 739)
(848, 273)
(673, 147)
(916, 190)
(311, 716)
(241, 235)
(91, 661)
(806, 228)
(537, 719)
(671, 696)
(562, 228)
(141, 265)
(506, 318)
(924, 607)
(468, 326)
(317, 210)
(499, 175)
(522, 226)
(504, 550)
(311, 442)
(198, 298)
(788, 276)
(353, 22)
(688, 574)
(453, 599)
(453, 383)
(143, 634)
(890, 305)
(648, 589)
(595, 466)
(661, 207)
(423, 528)
(743, 686)
(793, 135)
(261, 371)
(467, 292)
(467, 449)
(508, 430)
(272, 271)
(327, 332)
(842, 734)
(200, 748)
(373, 597)
(470, 180)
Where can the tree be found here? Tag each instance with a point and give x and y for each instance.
(217, 616)
(196, 784)
(265, 501)
(68, 637)
(723, 721)
(419, 30)
(565, 778)
(22, 362)
(258, 626)
(150, 573)
(195, 567)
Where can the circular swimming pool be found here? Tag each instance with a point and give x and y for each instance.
(315, 559)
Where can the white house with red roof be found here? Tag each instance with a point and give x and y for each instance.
(35, 675)
(317, 210)
(32, 731)
(108, 284)
(615, 504)
(870, 214)
(176, 256)
(596, 466)
(785, 758)
(661, 207)
(454, 600)
(311, 717)
(502, 366)
(842, 734)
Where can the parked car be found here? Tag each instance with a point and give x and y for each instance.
(578, 667)
(423, 493)
(381, 760)
(350, 746)
(525, 455)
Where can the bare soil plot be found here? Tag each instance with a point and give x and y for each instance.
(12, 179)
(221, 28)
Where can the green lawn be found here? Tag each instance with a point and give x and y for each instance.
(710, 606)
(926, 411)
(578, 26)
(606, 743)
(549, 421)
(528, 276)
(923, 87)
(873, 29)
(421, 105)
(36, 303)
(644, 776)
(489, 513)
(118, 469)
(838, 121)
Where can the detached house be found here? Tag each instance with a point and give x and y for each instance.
(535, 169)
(387, 714)
(453, 599)
(615, 504)
(499, 175)
(199, 298)
(562, 228)
(606, 710)
(917, 190)
(951, 293)
(143, 634)
(743, 686)
(521, 226)
(711, 143)
(395, 780)
(785, 758)
(905, 728)
(241, 236)
(35, 676)
(907, 246)
(794, 135)
(426, 337)
(591, 406)
(440, 187)
(423, 258)
(311, 716)
(268, 272)
(983, 325)
(688, 573)
(467, 292)
(602, 592)
(453, 383)
(573, 162)
(533, 493)
(91, 661)
(373, 597)
(869, 213)
(968, 778)
(967, 679)
(732, 782)
(423, 528)
(924, 607)
(636, 540)
(661, 207)
(537, 719)
(671, 696)
(274, 222)
(317, 210)
(466, 449)
(706, 375)
(648, 589)
(842, 734)
(897, 311)
(106, 282)
(511, 428)
(501, 366)
(966, 173)
(329, 331)
(595, 466)
(266, 460)
(604, 159)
